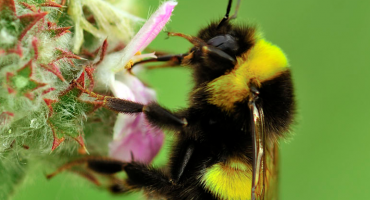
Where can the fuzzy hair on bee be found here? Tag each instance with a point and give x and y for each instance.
(242, 102)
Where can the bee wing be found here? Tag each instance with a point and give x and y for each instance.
(265, 157)
(271, 171)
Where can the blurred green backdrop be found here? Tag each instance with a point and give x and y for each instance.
(328, 45)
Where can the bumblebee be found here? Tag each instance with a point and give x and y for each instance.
(226, 140)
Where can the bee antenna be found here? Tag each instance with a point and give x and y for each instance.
(226, 17)
(236, 10)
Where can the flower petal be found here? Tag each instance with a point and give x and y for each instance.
(141, 141)
(132, 133)
(142, 93)
(147, 33)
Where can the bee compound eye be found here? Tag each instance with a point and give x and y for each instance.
(225, 43)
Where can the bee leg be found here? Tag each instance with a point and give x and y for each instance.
(163, 118)
(102, 165)
(118, 187)
(88, 175)
(142, 176)
(172, 60)
(192, 39)
(155, 114)
(139, 175)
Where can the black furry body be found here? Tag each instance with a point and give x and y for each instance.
(209, 135)
(206, 134)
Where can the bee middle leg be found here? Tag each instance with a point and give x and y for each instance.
(139, 176)
(151, 180)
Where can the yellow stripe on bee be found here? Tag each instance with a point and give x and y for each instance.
(264, 61)
(230, 181)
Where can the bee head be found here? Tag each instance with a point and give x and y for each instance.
(231, 39)
(217, 49)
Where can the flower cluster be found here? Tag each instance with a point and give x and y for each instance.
(50, 52)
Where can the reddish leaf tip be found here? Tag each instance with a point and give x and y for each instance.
(56, 142)
(66, 54)
(35, 49)
(9, 113)
(7, 4)
(28, 6)
(54, 69)
(29, 95)
(49, 103)
(81, 80)
(29, 20)
(59, 31)
(10, 90)
(103, 52)
(48, 90)
(50, 4)
(80, 141)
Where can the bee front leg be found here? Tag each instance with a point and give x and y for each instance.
(155, 114)
(171, 61)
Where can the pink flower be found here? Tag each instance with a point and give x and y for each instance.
(133, 136)
(147, 33)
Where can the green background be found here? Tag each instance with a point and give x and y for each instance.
(328, 44)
